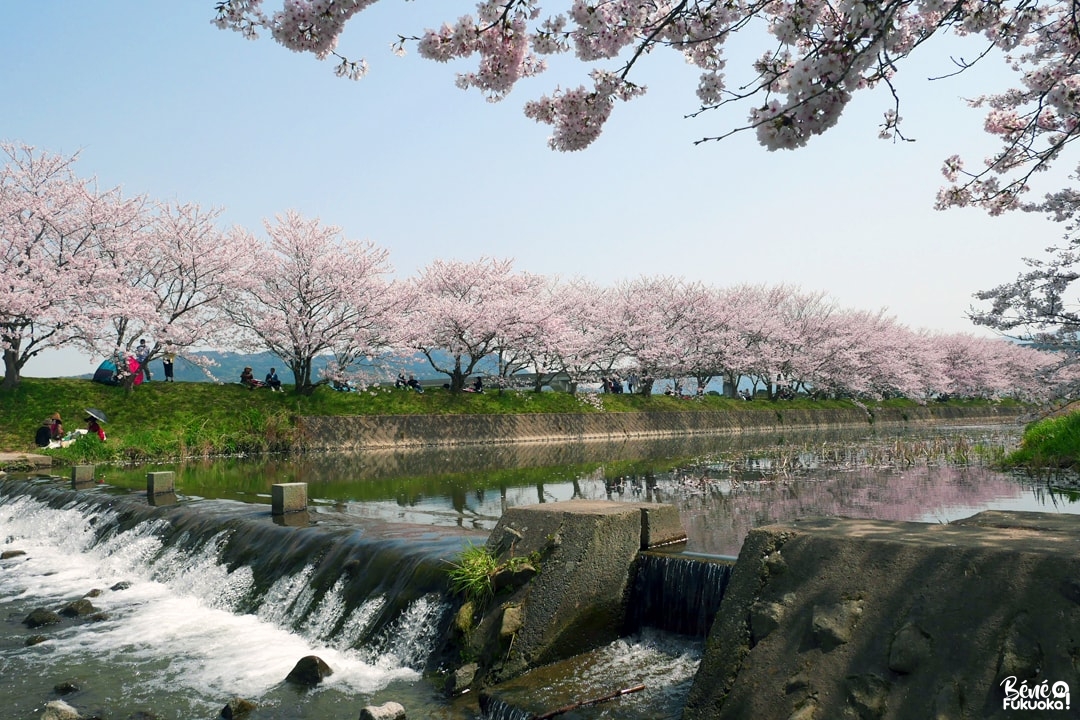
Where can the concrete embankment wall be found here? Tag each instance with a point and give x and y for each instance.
(875, 620)
(357, 432)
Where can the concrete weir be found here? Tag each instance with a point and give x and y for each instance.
(822, 619)
(572, 596)
(840, 618)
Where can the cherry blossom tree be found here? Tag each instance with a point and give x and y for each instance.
(862, 354)
(717, 337)
(176, 269)
(793, 338)
(814, 55)
(536, 342)
(309, 293)
(1042, 304)
(532, 322)
(52, 224)
(463, 312)
(579, 337)
(666, 324)
(748, 320)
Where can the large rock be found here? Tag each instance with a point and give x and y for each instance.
(59, 710)
(78, 608)
(236, 709)
(894, 621)
(40, 617)
(309, 671)
(386, 711)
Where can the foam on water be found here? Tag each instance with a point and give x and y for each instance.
(173, 619)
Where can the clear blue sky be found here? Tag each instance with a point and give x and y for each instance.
(161, 102)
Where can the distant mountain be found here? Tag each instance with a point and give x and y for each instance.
(228, 365)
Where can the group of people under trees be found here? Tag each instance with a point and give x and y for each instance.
(247, 377)
(412, 383)
(141, 365)
(614, 384)
(51, 431)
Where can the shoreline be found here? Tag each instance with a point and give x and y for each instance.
(381, 432)
(359, 433)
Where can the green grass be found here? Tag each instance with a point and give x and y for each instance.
(473, 574)
(164, 421)
(1050, 443)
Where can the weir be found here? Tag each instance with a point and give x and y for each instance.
(677, 593)
(370, 594)
(374, 596)
(806, 601)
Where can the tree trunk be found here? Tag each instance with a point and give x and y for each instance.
(458, 376)
(731, 385)
(11, 370)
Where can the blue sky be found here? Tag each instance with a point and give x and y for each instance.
(161, 102)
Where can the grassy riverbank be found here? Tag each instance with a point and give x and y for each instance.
(174, 420)
(1050, 443)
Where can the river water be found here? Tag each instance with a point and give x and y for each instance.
(188, 618)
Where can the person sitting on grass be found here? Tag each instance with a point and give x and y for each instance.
(92, 426)
(248, 378)
(272, 381)
(44, 433)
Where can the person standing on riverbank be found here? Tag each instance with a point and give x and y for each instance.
(167, 362)
(142, 354)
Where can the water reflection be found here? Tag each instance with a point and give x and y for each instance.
(723, 486)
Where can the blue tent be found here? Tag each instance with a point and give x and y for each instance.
(106, 373)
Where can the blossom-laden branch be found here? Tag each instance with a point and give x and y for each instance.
(820, 53)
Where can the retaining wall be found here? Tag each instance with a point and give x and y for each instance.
(876, 620)
(357, 432)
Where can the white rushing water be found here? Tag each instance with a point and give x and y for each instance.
(172, 624)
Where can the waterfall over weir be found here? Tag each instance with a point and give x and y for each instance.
(198, 605)
(677, 593)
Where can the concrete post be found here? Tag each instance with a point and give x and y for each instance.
(301, 518)
(288, 497)
(81, 476)
(162, 499)
(159, 483)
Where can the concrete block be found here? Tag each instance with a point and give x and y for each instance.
(162, 499)
(288, 498)
(660, 525)
(159, 483)
(82, 475)
(895, 619)
(300, 518)
(586, 549)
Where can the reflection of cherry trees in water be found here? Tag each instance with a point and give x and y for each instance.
(926, 480)
(717, 521)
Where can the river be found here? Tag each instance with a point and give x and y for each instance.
(223, 603)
